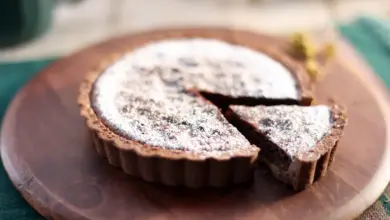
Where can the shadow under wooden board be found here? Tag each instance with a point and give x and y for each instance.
(48, 155)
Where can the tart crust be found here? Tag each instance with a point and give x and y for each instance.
(170, 167)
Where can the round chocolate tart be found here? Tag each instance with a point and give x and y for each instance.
(156, 111)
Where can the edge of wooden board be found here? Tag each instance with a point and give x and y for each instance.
(381, 179)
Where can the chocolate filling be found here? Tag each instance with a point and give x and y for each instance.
(223, 101)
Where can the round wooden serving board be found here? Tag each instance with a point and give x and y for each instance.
(48, 155)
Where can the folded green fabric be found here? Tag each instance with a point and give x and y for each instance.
(370, 37)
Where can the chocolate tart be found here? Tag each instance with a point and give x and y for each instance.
(156, 110)
(298, 142)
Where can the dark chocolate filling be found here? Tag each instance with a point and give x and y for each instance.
(223, 102)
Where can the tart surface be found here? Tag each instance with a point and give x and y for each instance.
(146, 95)
(157, 106)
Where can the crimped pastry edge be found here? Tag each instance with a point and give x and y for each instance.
(177, 172)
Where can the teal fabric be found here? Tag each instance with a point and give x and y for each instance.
(370, 37)
(13, 76)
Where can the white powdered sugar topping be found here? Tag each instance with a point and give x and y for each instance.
(174, 121)
(295, 129)
(144, 95)
(217, 67)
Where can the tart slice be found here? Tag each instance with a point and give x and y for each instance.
(298, 143)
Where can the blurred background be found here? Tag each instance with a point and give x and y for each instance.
(31, 29)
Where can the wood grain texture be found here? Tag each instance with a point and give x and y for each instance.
(47, 153)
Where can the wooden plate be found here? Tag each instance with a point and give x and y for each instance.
(47, 154)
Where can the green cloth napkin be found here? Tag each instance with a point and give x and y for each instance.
(370, 37)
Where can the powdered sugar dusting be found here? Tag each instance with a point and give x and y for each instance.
(143, 95)
(174, 121)
(295, 129)
(217, 67)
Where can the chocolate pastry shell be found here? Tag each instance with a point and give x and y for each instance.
(179, 168)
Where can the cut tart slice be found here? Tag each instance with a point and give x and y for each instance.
(298, 143)
(148, 114)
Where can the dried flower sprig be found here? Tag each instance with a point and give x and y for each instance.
(305, 49)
